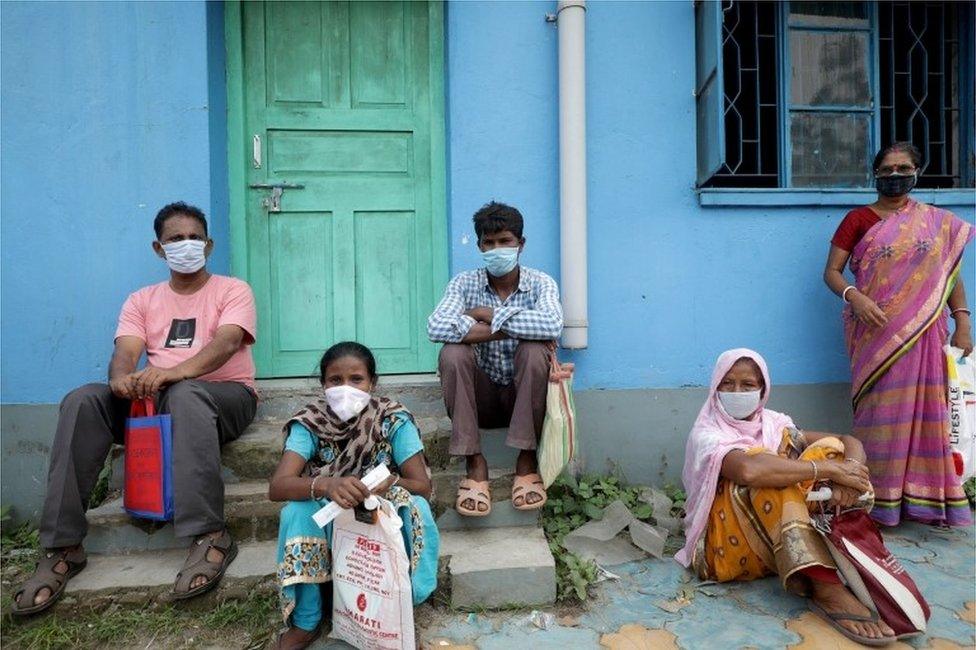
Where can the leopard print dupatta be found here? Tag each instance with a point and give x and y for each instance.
(354, 447)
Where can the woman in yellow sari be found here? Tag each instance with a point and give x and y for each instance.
(747, 473)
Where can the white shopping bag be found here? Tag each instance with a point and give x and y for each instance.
(373, 603)
(962, 410)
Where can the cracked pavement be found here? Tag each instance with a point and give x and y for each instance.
(657, 604)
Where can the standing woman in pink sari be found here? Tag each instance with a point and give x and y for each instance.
(905, 257)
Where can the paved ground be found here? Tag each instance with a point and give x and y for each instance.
(644, 608)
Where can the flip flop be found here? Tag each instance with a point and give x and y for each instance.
(523, 486)
(46, 576)
(197, 565)
(477, 491)
(834, 620)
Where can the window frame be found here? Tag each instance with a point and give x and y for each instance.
(786, 193)
(784, 64)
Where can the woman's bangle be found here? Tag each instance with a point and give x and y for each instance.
(843, 295)
(964, 310)
(395, 480)
(311, 488)
(815, 473)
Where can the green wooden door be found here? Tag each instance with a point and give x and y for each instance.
(345, 98)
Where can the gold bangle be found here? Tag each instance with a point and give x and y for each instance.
(815, 473)
(311, 487)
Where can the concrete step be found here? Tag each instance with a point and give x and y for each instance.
(421, 394)
(256, 453)
(499, 568)
(250, 516)
(494, 568)
(145, 578)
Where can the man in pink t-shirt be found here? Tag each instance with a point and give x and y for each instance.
(196, 330)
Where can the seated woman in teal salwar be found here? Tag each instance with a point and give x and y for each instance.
(330, 444)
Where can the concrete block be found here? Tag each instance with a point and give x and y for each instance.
(281, 398)
(446, 481)
(255, 455)
(499, 567)
(503, 515)
(249, 516)
(141, 578)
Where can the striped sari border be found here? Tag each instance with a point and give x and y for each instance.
(910, 343)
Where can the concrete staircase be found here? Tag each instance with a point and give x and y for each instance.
(496, 561)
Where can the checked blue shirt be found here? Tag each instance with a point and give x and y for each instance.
(532, 312)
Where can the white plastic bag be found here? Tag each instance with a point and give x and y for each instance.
(962, 410)
(373, 603)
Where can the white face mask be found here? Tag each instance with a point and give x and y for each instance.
(186, 256)
(345, 401)
(740, 405)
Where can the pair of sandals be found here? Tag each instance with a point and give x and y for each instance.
(196, 566)
(479, 494)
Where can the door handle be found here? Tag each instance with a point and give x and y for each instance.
(273, 202)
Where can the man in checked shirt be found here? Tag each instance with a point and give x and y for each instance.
(497, 324)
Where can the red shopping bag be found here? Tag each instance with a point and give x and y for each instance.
(872, 573)
(148, 491)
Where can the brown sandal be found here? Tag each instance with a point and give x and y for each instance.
(279, 643)
(476, 491)
(198, 565)
(523, 486)
(46, 576)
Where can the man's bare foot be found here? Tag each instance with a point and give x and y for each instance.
(526, 464)
(837, 599)
(477, 470)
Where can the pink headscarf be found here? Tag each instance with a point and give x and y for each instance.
(715, 434)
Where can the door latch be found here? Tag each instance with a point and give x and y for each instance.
(273, 203)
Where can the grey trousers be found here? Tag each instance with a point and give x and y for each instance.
(205, 415)
(473, 399)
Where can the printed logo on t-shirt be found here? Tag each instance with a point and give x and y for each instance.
(181, 333)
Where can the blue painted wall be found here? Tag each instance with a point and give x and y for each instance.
(671, 284)
(110, 110)
(105, 118)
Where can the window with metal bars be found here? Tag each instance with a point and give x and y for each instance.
(802, 94)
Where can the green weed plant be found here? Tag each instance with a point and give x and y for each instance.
(573, 502)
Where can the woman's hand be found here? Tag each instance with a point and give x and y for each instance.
(347, 491)
(846, 473)
(866, 310)
(844, 497)
(384, 487)
(962, 338)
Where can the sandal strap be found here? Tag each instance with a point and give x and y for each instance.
(45, 575)
(842, 616)
(197, 564)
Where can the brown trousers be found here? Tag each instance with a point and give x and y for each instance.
(473, 400)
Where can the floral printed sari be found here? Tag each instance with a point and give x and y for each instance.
(908, 263)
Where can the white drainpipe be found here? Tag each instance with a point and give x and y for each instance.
(571, 22)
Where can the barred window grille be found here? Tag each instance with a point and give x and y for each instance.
(804, 93)
(921, 86)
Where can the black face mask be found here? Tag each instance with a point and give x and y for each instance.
(895, 185)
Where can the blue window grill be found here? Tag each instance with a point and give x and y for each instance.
(801, 94)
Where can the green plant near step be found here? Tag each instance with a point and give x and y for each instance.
(970, 487)
(252, 621)
(19, 545)
(573, 502)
